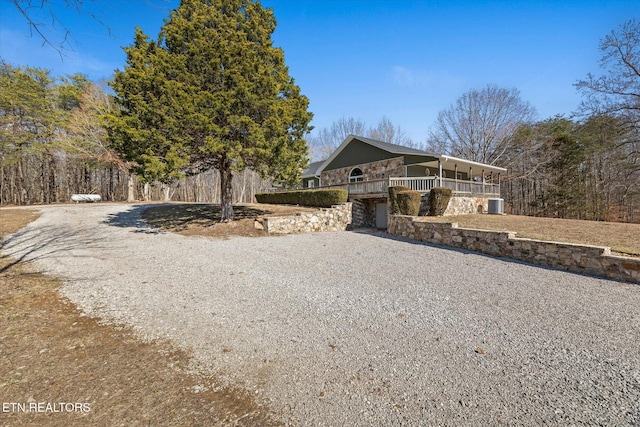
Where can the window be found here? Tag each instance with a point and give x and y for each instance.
(356, 175)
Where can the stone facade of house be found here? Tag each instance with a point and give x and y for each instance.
(382, 169)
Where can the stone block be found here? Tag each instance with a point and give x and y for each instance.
(540, 248)
(631, 265)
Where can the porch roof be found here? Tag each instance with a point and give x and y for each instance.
(431, 160)
(399, 150)
(312, 170)
(450, 162)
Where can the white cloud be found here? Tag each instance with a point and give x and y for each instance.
(416, 78)
(424, 79)
(403, 76)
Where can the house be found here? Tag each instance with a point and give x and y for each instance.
(311, 176)
(367, 168)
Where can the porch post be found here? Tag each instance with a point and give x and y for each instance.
(440, 172)
(491, 178)
(483, 189)
(455, 168)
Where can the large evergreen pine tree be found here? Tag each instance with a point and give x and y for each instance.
(212, 92)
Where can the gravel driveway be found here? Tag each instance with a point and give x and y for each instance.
(357, 328)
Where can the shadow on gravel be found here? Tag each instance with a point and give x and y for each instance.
(132, 218)
(151, 218)
(184, 215)
(30, 244)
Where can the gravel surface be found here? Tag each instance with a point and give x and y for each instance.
(358, 328)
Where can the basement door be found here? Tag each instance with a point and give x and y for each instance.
(381, 215)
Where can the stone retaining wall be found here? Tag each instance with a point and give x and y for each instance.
(592, 260)
(364, 211)
(458, 205)
(360, 214)
(335, 218)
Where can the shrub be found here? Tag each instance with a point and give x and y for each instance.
(315, 198)
(393, 202)
(439, 200)
(408, 202)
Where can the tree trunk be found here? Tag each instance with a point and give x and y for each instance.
(166, 192)
(2, 183)
(226, 192)
(22, 184)
(53, 179)
(131, 188)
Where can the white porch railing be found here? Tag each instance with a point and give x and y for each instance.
(424, 184)
(458, 186)
(366, 187)
(362, 187)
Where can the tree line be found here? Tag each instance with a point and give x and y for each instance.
(574, 169)
(53, 144)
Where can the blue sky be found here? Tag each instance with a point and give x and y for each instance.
(367, 59)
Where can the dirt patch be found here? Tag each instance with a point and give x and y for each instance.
(620, 237)
(204, 219)
(51, 354)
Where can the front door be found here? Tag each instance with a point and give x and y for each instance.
(381, 215)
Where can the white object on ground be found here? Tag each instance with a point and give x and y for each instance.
(85, 197)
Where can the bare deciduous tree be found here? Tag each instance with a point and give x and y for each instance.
(328, 139)
(388, 132)
(44, 22)
(43, 18)
(480, 124)
(617, 92)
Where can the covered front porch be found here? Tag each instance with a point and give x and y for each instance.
(423, 184)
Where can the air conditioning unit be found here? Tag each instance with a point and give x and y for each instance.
(496, 206)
